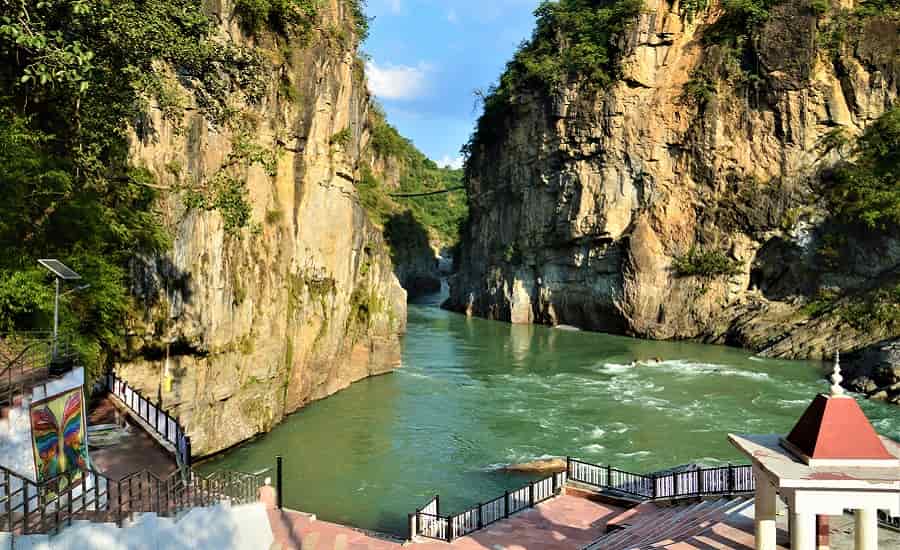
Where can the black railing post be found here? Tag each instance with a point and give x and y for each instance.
(26, 501)
(609, 483)
(166, 432)
(506, 504)
(119, 507)
(699, 473)
(9, 508)
(449, 528)
(410, 519)
(480, 519)
(569, 466)
(531, 495)
(730, 479)
(187, 451)
(68, 502)
(675, 484)
(653, 486)
(280, 492)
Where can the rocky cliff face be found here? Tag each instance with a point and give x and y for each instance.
(234, 330)
(594, 207)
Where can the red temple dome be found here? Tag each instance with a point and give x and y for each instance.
(835, 431)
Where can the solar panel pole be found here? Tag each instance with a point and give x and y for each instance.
(56, 318)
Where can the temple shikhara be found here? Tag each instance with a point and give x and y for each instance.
(831, 461)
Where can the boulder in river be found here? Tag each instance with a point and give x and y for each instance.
(541, 466)
(874, 370)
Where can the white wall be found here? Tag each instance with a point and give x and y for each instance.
(16, 451)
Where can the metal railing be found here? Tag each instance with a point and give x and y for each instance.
(27, 507)
(25, 360)
(165, 425)
(886, 520)
(697, 482)
(429, 523)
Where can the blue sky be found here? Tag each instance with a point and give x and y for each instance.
(428, 56)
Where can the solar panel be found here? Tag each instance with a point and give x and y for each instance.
(60, 270)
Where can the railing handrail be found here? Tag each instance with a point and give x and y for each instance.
(180, 439)
(39, 507)
(22, 356)
(461, 523)
(654, 486)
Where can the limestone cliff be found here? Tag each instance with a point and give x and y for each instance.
(593, 207)
(236, 329)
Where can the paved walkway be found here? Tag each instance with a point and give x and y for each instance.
(138, 451)
(563, 522)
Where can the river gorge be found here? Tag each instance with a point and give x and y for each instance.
(475, 395)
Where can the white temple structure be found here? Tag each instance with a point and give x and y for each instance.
(833, 460)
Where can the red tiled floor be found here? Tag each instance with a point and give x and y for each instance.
(564, 522)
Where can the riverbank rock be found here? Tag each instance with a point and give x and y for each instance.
(542, 466)
(874, 370)
(677, 202)
(234, 331)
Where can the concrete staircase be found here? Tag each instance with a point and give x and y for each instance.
(220, 527)
(667, 526)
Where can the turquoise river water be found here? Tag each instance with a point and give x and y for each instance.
(474, 395)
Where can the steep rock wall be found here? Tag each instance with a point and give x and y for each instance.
(580, 210)
(234, 331)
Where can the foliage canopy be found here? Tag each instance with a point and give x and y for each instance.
(74, 76)
(574, 40)
(866, 191)
(442, 214)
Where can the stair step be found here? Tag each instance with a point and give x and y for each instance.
(656, 528)
(693, 526)
(649, 529)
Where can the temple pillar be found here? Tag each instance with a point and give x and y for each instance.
(803, 531)
(766, 508)
(823, 537)
(866, 529)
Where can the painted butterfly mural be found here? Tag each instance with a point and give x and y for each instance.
(60, 435)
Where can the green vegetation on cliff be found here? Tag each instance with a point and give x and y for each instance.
(866, 190)
(294, 17)
(705, 263)
(404, 217)
(78, 81)
(74, 75)
(575, 40)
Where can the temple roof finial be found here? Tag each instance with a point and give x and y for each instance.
(836, 378)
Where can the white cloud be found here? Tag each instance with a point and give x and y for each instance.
(397, 81)
(396, 6)
(452, 16)
(455, 163)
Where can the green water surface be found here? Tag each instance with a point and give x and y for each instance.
(474, 395)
